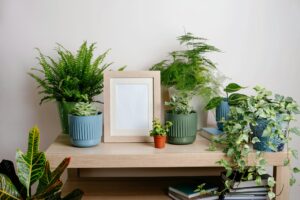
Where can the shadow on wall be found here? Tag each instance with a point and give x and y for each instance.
(45, 116)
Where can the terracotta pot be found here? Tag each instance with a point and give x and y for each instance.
(160, 141)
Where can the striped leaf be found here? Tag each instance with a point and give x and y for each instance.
(7, 190)
(49, 178)
(30, 166)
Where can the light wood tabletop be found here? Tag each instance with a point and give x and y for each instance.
(144, 155)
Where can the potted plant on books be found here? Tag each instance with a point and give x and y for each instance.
(184, 120)
(32, 167)
(188, 71)
(159, 132)
(85, 125)
(221, 103)
(244, 128)
(72, 78)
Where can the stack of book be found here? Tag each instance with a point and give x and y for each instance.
(187, 191)
(211, 133)
(247, 189)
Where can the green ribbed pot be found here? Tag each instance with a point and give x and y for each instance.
(184, 128)
(64, 109)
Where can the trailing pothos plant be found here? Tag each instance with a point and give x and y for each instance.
(244, 114)
(189, 70)
(33, 167)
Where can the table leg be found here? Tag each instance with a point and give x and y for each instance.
(282, 177)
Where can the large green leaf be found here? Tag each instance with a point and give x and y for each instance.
(233, 87)
(30, 166)
(213, 103)
(7, 190)
(49, 178)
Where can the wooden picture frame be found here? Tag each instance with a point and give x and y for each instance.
(132, 99)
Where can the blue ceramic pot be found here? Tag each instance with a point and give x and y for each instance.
(85, 131)
(263, 144)
(222, 112)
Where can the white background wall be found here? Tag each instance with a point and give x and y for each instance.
(260, 40)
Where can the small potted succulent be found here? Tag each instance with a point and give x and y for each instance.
(221, 103)
(72, 78)
(159, 133)
(85, 125)
(184, 120)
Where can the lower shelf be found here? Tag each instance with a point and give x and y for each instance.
(125, 189)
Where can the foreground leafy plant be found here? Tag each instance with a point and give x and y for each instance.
(32, 167)
(244, 115)
(189, 71)
(74, 77)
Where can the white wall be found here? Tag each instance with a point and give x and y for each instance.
(259, 38)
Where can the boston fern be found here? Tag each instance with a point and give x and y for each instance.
(73, 77)
(188, 70)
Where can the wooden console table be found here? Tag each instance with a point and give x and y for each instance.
(144, 155)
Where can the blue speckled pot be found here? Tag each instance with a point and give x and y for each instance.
(263, 144)
(222, 112)
(85, 131)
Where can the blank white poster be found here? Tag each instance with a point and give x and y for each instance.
(132, 112)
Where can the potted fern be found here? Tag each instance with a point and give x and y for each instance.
(159, 132)
(189, 72)
(71, 78)
(85, 125)
(184, 120)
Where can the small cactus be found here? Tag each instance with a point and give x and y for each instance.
(84, 109)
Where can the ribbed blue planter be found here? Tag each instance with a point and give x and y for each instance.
(85, 131)
(263, 144)
(222, 112)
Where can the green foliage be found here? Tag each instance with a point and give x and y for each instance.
(7, 189)
(84, 109)
(159, 129)
(179, 105)
(32, 167)
(232, 97)
(74, 77)
(245, 112)
(189, 71)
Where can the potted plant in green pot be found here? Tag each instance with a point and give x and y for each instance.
(159, 133)
(222, 103)
(85, 125)
(189, 71)
(184, 121)
(71, 78)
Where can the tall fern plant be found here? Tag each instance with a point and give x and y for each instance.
(71, 78)
(189, 71)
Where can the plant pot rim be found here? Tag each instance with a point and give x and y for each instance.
(160, 136)
(170, 112)
(99, 113)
